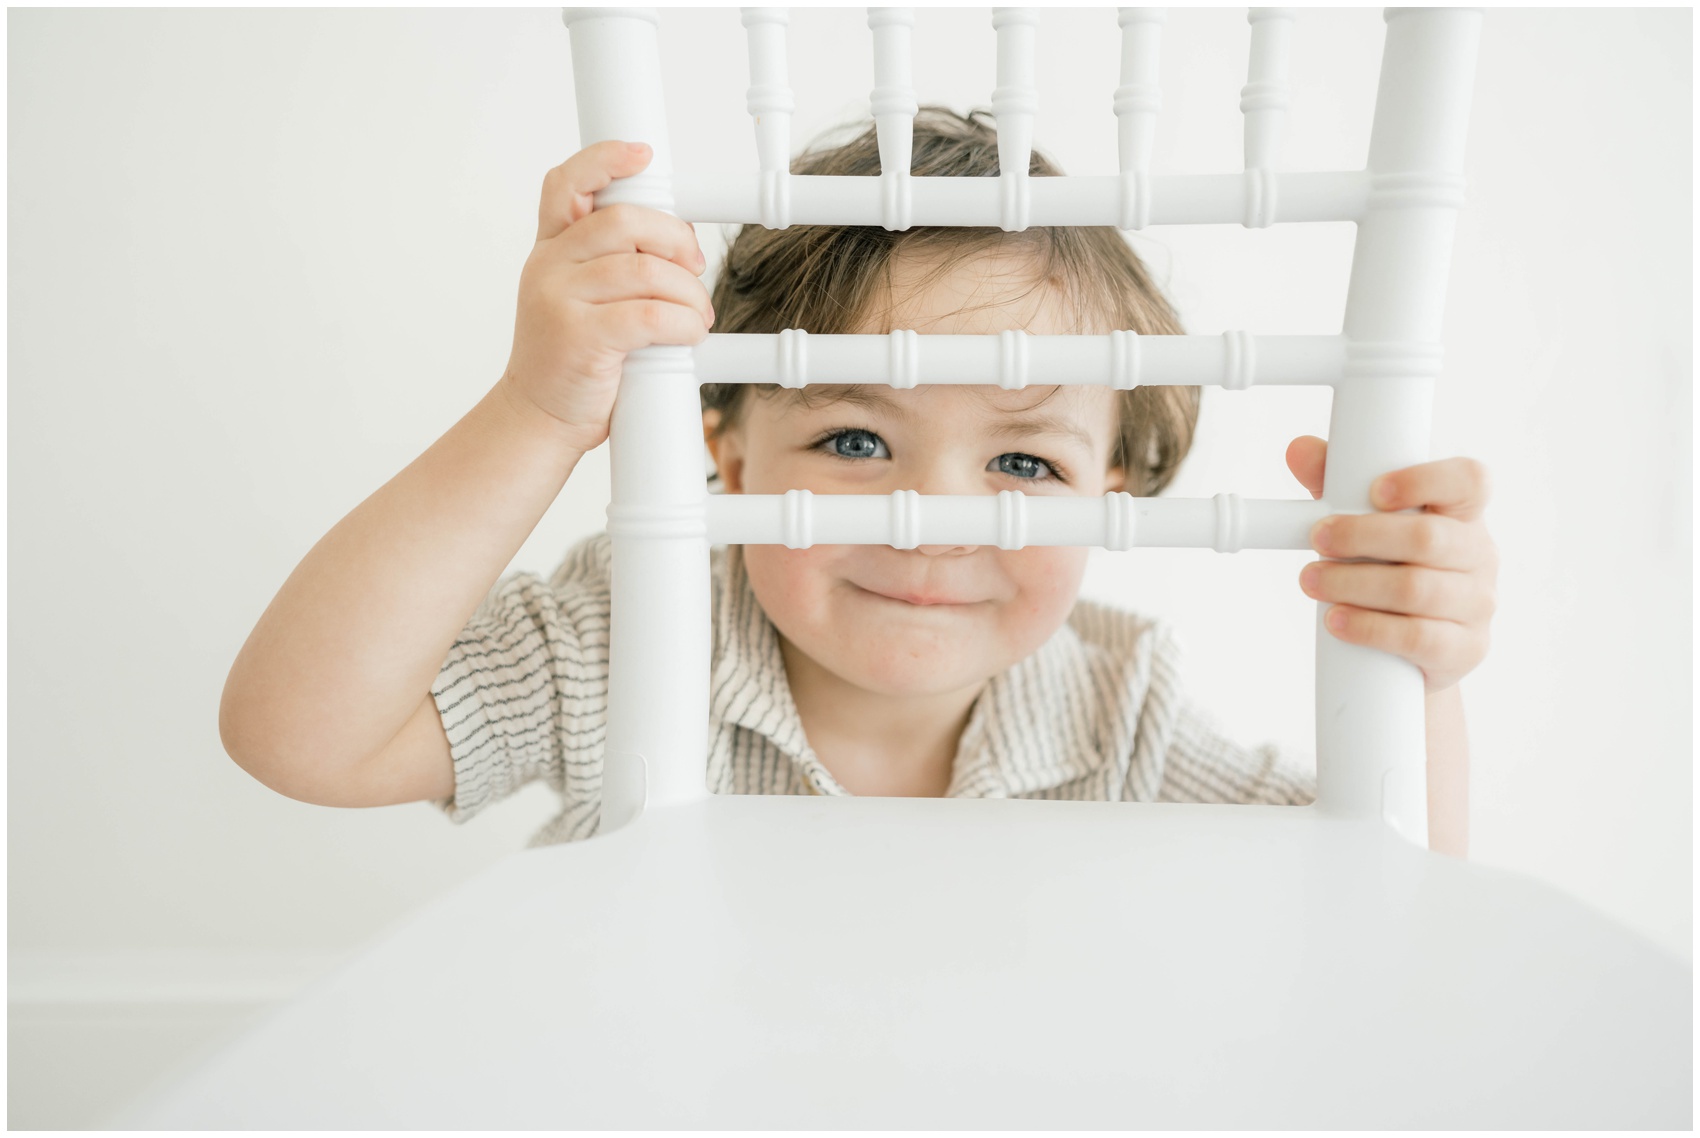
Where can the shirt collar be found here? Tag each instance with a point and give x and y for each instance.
(1035, 727)
(749, 685)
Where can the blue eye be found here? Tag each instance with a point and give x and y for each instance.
(1023, 466)
(856, 443)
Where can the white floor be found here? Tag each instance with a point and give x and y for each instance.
(88, 1031)
(69, 1066)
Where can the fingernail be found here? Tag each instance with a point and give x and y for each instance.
(1381, 492)
(1321, 535)
(1335, 619)
(1308, 578)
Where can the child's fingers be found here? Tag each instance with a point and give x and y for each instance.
(1456, 487)
(638, 276)
(568, 188)
(1443, 649)
(632, 229)
(1432, 540)
(1409, 589)
(1306, 458)
(632, 324)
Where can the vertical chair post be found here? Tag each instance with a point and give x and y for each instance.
(1015, 100)
(894, 109)
(1137, 100)
(1370, 727)
(659, 626)
(770, 104)
(1263, 102)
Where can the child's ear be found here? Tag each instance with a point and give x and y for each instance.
(725, 449)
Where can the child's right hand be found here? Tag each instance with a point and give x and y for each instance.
(596, 286)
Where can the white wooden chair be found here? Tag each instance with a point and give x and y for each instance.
(1370, 727)
(949, 963)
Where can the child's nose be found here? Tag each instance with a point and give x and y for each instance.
(944, 479)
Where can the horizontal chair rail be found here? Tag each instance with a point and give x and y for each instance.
(1128, 201)
(1014, 359)
(906, 519)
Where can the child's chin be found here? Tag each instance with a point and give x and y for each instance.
(921, 677)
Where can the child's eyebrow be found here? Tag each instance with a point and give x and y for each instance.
(1043, 425)
(864, 395)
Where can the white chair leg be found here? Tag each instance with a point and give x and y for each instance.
(1370, 728)
(659, 634)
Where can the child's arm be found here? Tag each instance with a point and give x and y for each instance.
(1430, 602)
(329, 701)
(1448, 774)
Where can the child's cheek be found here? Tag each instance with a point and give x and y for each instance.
(789, 580)
(1048, 582)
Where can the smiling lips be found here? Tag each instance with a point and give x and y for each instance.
(916, 598)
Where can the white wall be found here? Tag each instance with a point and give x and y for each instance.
(260, 259)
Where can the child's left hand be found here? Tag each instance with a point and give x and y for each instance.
(1432, 606)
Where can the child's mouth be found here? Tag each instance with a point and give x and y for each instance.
(916, 599)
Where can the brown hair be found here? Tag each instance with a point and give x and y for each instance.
(827, 278)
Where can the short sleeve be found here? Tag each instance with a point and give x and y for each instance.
(523, 692)
(1203, 764)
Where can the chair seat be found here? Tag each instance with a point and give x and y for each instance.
(867, 962)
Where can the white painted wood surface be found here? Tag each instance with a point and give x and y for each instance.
(1124, 360)
(867, 962)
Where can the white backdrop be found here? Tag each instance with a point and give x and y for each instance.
(261, 259)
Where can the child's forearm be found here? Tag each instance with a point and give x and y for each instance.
(352, 642)
(1448, 774)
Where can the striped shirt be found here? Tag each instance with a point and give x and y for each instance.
(1097, 713)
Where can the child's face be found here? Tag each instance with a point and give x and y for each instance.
(938, 618)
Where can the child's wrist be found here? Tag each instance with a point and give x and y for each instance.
(524, 414)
